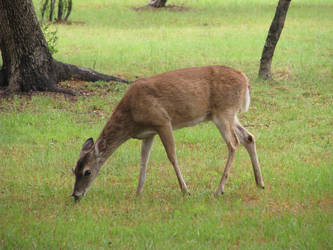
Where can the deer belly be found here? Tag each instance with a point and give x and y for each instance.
(191, 123)
(145, 134)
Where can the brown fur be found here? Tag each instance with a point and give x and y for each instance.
(172, 100)
(179, 96)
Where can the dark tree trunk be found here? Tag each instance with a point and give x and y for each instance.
(27, 62)
(45, 4)
(272, 39)
(52, 5)
(60, 9)
(3, 70)
(24, 49)
(69, 9)
(157, 3)
(3, 78)
(64, 9)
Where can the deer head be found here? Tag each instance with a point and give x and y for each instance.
(86, 170)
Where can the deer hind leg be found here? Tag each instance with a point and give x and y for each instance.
(166, 135)
(225, 124)
(145, 152)
(247, 140)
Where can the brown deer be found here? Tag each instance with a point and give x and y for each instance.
(168, 101)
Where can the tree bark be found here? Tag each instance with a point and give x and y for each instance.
(69, 71)
(60, 9)
(52, 5)
(157, 3)
(69, 9)
(27, 62)
(45, 4)
(3, 70)
(64, 9)
(272, 39)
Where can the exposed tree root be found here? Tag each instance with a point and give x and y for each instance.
(70, 71)
(62, 72)
(62, 91)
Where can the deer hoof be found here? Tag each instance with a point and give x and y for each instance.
(218, 193)
(261, 185)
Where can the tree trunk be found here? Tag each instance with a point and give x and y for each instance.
(25, 51)
(64, 9)
(272, 39)
(69, 9)
(27, 62)
(60, 9)
(45, 4)
(3, 70)
(157, 3)
(52, 5)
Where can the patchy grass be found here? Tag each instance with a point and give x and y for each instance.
(291, 117)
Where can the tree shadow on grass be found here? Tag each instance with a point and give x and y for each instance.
(166, 8)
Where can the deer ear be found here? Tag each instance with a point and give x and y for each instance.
(100, 146)
(88, 144)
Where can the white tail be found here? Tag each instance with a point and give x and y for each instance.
(246, 103)
(168, 101)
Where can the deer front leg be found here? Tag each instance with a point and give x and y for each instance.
(166, 135)
(145, 153)
(231, 155)
(225, 125)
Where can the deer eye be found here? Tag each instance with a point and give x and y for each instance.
(87, 173)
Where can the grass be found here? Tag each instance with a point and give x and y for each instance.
(291, 117)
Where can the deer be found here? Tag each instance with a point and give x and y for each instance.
(166, 102)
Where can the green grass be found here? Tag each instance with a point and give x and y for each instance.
(291, 117)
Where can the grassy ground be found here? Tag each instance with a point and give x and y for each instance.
(291, 117)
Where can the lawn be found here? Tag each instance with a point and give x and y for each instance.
(291, 116)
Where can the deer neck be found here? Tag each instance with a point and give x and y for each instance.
(117, 130)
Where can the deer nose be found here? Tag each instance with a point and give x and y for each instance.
(76, 197)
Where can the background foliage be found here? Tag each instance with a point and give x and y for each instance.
(50, 36)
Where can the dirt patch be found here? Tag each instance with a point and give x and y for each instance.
(69, 22)
(250, 198)
(99, 88)
(326, 203)
(24, 98)
(284, 74)
(166, 8)
(76, 86)
(80, 88)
